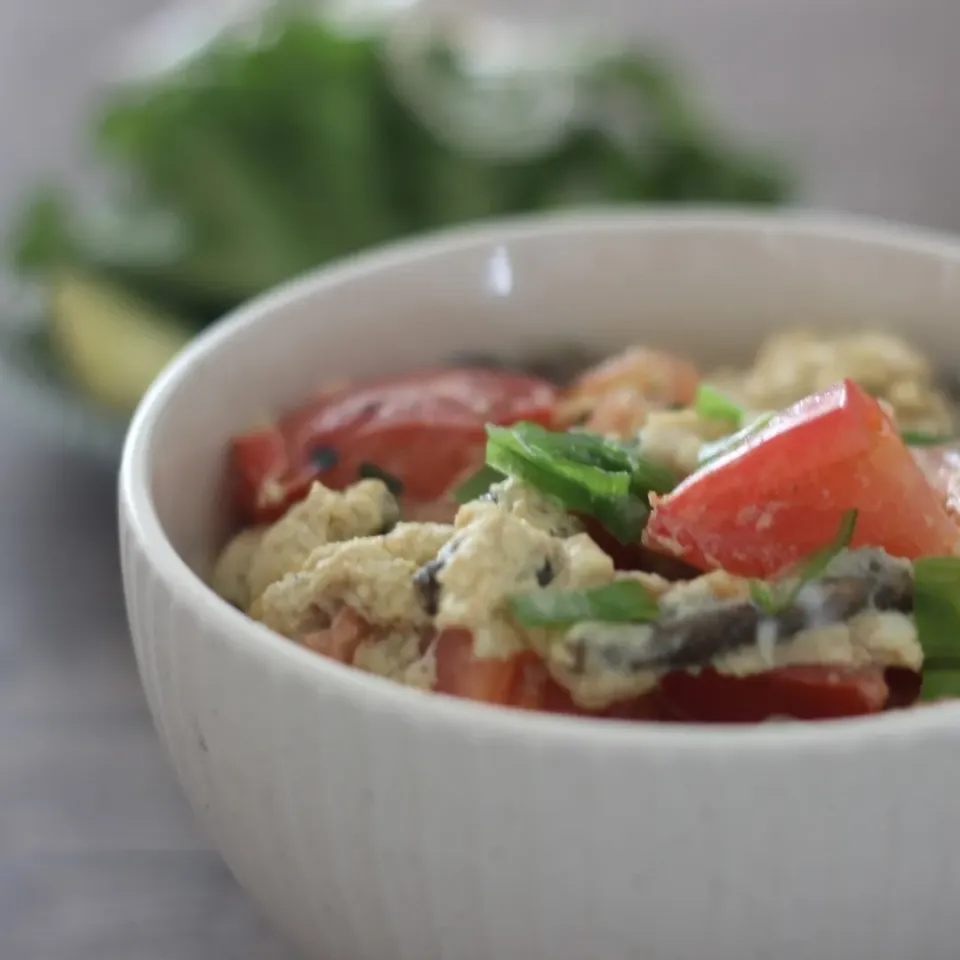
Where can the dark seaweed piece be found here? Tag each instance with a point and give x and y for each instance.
(324, 458)
(546, 573)
(699, 638)
(428, 586)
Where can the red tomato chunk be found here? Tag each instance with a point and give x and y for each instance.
(782, 494)
(424, 429)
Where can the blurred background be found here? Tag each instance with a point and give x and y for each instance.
(161, 163)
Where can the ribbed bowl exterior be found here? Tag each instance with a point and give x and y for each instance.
(376, 823)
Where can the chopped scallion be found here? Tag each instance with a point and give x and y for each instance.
(917, 438)
(940, 683)
(773, 598)
(936, 608)
(712, 404)
(477, 484)
(718, 448)
(625, 601)
(588, 473)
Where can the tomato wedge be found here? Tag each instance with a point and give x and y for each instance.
(425, 429)
(802, 693)
(781, 494)
(461, 674)
(340, 640)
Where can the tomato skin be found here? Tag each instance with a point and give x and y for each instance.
(781, 495)
(803, 693)
(461, 674)
(340, 640)
(425, 429)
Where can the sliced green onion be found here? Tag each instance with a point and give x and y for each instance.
(816, 564)
(625, 601)
(649, 477)
(764, 596)
(917, 438)
(712, 404)
(587, 473)
(370, 471)
(624, 517)
(602, 453)
(509, 451)
(773, 598)
(590, 449)
(936, 607)
(940, 683)
(718, 448)
(477, 484)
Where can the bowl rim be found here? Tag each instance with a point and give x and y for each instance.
(382, 695)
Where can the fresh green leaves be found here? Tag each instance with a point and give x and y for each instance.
(936, 612)
(773, 598)
(712, 404)
(587, 473)
(624, 601)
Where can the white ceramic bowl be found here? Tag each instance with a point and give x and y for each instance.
(373, 822)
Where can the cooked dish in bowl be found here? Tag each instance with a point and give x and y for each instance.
(646, 542)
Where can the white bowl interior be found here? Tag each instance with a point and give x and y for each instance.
(707, 285)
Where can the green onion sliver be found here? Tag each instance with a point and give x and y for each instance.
(936, 608)
(940, 683)
(477, 484)
(712, 404)
(917, 438)
(718, 448)
(772, 598)
(625, 601)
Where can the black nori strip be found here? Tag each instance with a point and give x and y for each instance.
(677, 643)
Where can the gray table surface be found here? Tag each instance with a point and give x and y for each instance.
(100, 857)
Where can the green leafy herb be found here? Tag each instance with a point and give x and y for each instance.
(917, 438)
(587, 473)
(625, 601)
(940, 683)
(773, 598)
(370, 471)
(712, 450)
(477, 485)
(712, 404)
(764, 595)
(936, 612)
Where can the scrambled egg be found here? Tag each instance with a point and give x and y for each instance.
(254, 559)
(496, 553)
(407, 582)
(374, 576)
